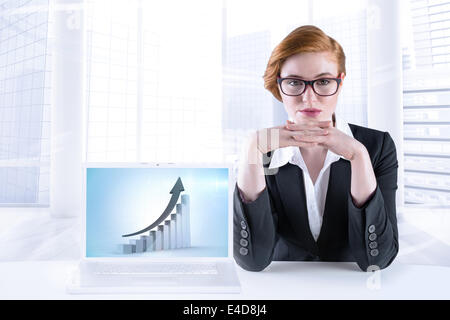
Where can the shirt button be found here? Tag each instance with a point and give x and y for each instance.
(373, 245)
(244, 234)
(374, 252)
(243, 225)
(371, 228)
(243, 251)
(372, 236)
(243, 242)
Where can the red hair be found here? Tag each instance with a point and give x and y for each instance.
(306, 38)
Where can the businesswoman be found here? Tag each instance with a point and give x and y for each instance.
(316, 188)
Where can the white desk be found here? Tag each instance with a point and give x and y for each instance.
(281, 280)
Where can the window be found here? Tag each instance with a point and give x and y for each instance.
(112, 81)
(348, 26)
(431, 31)
(426, 99)
(154, 81)
(25, 83)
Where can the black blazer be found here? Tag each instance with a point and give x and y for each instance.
(275, 226)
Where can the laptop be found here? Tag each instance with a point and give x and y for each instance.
(156, 228)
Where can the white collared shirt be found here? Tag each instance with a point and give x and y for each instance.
(315, 193)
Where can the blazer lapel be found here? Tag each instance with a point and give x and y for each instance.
(292, 192)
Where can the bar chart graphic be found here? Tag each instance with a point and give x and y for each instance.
(170, 231)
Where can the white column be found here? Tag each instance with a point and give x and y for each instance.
(140, 245)
(179, 226)
(185, 207)
(145, 242)
(384, 62)
(158, 239)
(151, 241)
(173, 231)
(169, 233)
(133, 245)
(166, 235)
(67, 109)
(127, 248)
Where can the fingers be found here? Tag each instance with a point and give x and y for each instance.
(303, 144)
(311, 132)
(309, 124)
(309, 139)
(308, 132)
(278, 137)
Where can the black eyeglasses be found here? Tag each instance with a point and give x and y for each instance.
(322, 87)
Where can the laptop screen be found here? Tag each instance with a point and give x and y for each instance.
(160, 212)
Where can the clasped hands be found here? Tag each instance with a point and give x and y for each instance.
(308, 133)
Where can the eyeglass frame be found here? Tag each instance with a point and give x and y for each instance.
(306, 82)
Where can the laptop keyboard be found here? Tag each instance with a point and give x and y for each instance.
(158, 268)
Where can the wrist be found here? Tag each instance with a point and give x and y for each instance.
(359, 152)
(253, 154)
(260, 142)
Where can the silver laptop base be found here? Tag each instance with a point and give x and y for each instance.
(95, 278)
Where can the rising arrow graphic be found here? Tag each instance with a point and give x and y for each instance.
(176, 190)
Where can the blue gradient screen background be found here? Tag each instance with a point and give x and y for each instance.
(125, 200)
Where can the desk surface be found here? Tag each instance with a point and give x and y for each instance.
(281, 280)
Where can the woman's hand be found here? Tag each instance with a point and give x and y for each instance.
(304, 135)
(335, 140)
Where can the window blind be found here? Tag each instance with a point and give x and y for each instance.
(426, 97)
